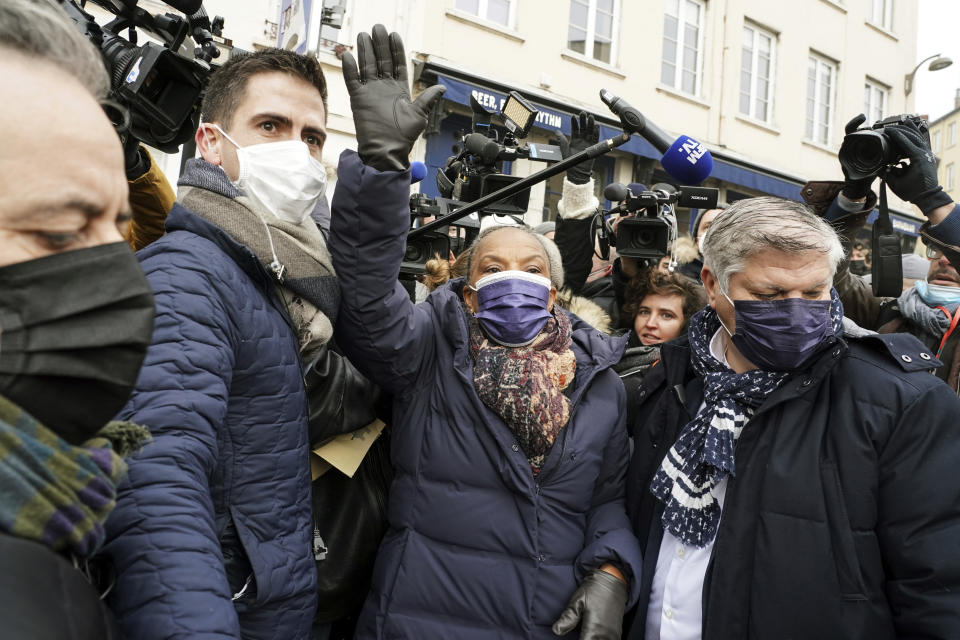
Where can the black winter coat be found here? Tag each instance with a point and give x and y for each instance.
(43, 597)
(843, 519)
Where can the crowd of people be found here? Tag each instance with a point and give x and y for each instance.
(749, 444)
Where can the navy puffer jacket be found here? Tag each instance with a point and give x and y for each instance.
(217, 507)
(477, 547)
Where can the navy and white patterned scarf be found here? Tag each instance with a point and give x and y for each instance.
(703, 453)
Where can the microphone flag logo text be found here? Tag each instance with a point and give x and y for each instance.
(694, 150)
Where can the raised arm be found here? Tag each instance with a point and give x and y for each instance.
(378, 327)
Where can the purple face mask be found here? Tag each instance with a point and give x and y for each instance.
(780, 335)
(512, 306)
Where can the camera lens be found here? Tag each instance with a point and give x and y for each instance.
(864, 153)
(413, 254)
(643, 239)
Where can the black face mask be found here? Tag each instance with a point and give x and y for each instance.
(74, 328)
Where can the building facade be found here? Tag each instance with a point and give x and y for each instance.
(766, 86)
(944, 142)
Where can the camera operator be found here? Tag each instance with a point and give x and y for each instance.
(151, 199)
(494, 530)
(930, 308)
(76, 315)
(212, 533)
(597, 279)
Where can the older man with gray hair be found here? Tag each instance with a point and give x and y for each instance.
(792, 474)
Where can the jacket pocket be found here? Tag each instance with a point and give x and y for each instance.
(257, 587)
(841, 537)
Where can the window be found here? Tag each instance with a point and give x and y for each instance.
(821, 75)
(880, 13)
(682, 42)
(874, 101)
(950, 182)
(952, 134)
(499, 11)
(756, 72)
(935, 142)
(592, 29)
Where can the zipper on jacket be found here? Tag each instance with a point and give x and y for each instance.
(319, 548)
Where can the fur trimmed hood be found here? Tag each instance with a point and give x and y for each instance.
(588, 311)
(685, 250)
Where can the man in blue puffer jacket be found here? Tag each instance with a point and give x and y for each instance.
(211, 537)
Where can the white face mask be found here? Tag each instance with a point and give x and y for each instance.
(282, 177)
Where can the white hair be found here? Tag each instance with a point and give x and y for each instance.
(554, 260)
(41, 30)
(753, 225)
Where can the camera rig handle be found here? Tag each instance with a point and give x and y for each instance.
(602, 147)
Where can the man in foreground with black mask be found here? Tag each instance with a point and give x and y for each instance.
(793, 475)
(212, 536)
(76, 315)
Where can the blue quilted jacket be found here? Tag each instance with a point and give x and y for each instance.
(211, 536)
(477, 547)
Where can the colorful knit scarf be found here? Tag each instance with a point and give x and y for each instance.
(704, 451)
(55, 493)
(524, 385)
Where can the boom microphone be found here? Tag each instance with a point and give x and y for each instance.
(480, 145)
(615, 192)
(686, 160)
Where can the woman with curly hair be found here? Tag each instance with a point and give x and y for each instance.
(660, 305)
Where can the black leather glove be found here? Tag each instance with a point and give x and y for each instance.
(855, 189)
(597, 606)
(584, 133)
(387, 122)
(916, 182)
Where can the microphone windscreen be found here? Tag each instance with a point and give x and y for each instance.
(687, 161)
(418, 171)
(615, 192)
(636, 187)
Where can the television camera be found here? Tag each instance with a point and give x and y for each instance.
(155, 89)
(650, 229)
(475, 172)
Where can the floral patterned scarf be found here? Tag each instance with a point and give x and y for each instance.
(524, 385)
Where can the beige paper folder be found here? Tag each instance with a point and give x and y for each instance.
(346, 452)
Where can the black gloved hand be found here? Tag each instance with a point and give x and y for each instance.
(916, 182)
(584, 133)
(387, 122)
(597, 606)
(855, 189)
(134, 158)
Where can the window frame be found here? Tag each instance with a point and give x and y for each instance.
(591, 32)
(832, 103)
(949, 177)
(483, 13)
(885, 8)
(677, 84)
(759, 31)
(951, 134)
(935, 141)
(875, 87)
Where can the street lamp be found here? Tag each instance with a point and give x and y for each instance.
(936, 65)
